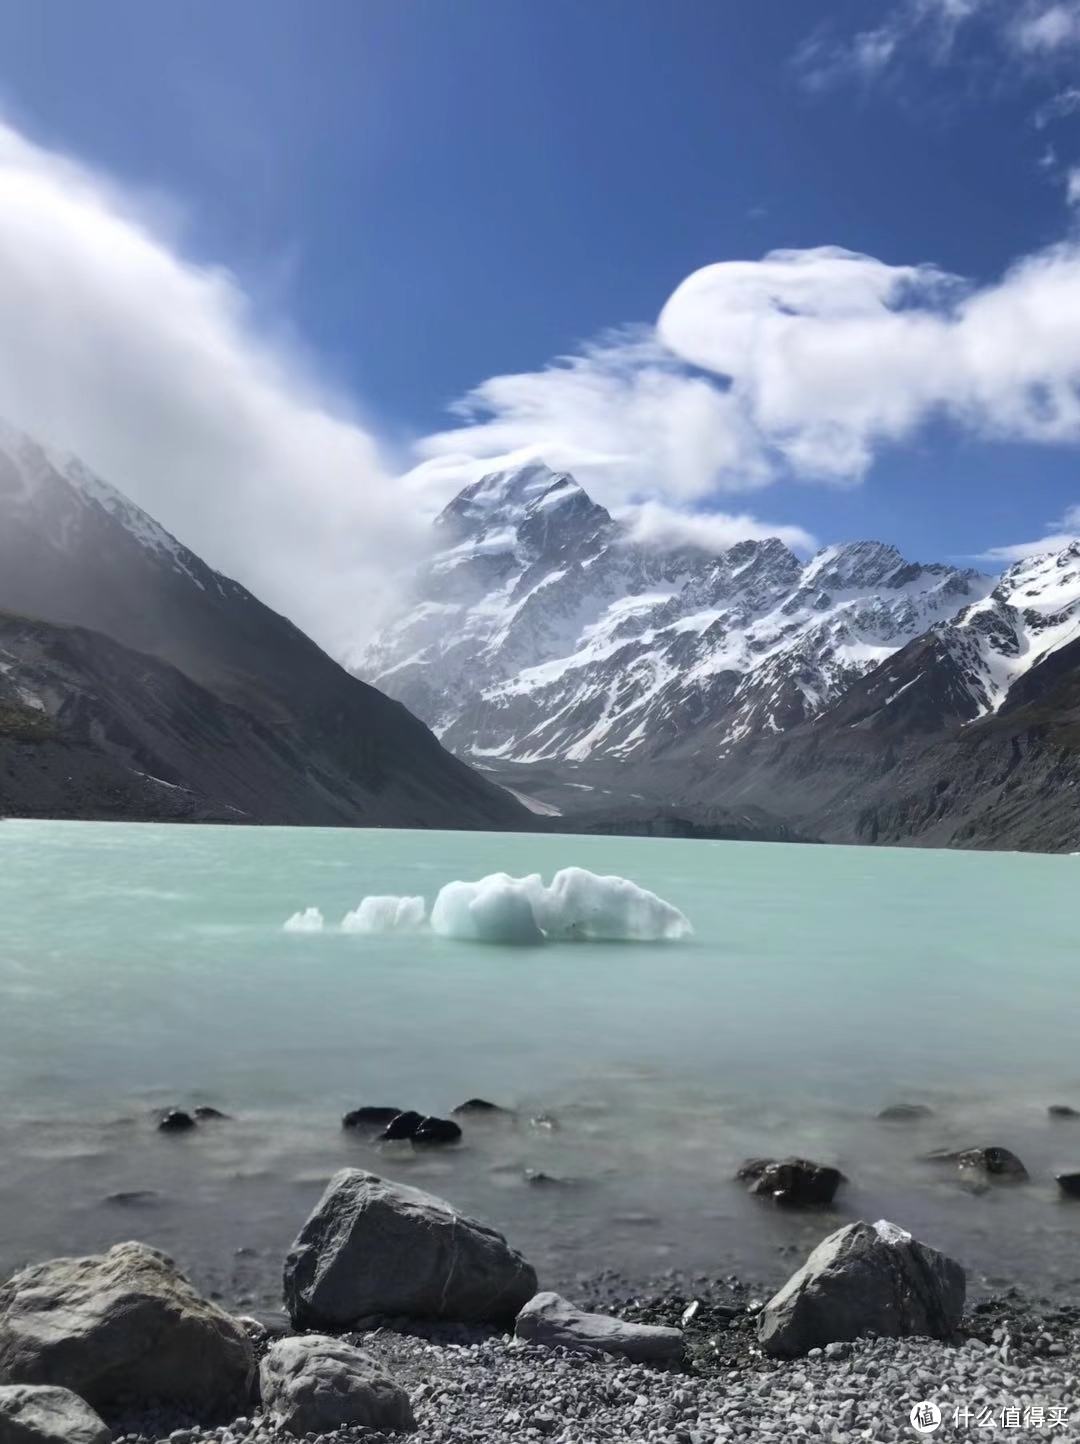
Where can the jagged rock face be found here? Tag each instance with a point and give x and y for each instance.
(123, 645)
(540, 630)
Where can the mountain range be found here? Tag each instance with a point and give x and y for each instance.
(855, 695)
(136, 681)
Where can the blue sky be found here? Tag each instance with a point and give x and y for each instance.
(413, 196)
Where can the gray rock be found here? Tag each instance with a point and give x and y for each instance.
(551, 1320)
(376, 1247)
(40, 1414)
(313, 1384)
(864, 1278)
(124, 1323)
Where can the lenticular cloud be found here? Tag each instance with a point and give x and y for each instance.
(579, 906)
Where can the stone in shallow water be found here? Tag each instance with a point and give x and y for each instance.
(44, 1414)
(479, 1107)
(864, 1278)
(371, 1116)
(400, 1128)
(1069, 1183)
(123, 1323)
(175, 1120)
(315, 1384)
(205, 1114)
(551, 1320)
(1063, 1110)
(433, 1131)
(980, 1167)
(905, 1113)
(793, 1182)
(376, 1247)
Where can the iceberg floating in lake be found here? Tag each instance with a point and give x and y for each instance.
(579, 906)
(308, 921)
(386, 915)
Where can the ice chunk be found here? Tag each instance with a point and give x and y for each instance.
(581, 905)
(308, 921)
(578, 906)
(386, 915)
(497, 909)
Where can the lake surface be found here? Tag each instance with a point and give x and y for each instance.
(142, 966)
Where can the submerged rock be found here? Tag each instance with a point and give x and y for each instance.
(864, 1278)
(905, 1113)
(1063, 1110)
(314, 1385)
(551, 1320)
(434, 1131)
(205, 1114)
(792, 1182)
(1069, 1183)
(376, 1247)
(44, 1414)
(175, 1120)
(980, 1167)
(372, 1117)
(402, 1127)
(123, 1323)
(479, 1107)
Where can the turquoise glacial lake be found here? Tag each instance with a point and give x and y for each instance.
(145, 966)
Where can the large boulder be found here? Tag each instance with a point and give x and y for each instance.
(864, 1278)
(376, 1247)
(313, 1385)
(125, 1323)
(41, 1414)
(550, 1320)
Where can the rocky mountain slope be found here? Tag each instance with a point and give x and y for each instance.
(857, 696)
(541, 630)
(123, 654)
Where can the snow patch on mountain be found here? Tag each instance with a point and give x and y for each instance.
(542, 630)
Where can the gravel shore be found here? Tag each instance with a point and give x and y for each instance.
(471, 1386)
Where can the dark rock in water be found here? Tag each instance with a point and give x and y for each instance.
(1062, 1110)
(793, 1182)
(979, 1168)
(1069, 1183)
(134, 1198)
(435, 1131)
(538, 1179)
(478, 1106)
(175, 1120)
(404, 1125)
(905, 1113)
(371, 1117)
(204, 1113)
(864, 1278)
(376, 1247)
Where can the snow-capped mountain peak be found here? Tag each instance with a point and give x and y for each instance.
(542, 630)
(1032, 612)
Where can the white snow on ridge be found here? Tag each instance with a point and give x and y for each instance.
(574, 641)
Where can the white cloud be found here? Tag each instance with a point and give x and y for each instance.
(624, 416)
(819, 359)
(1045, 29)
(1066, 529)
(712, 531)
(152, 369)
